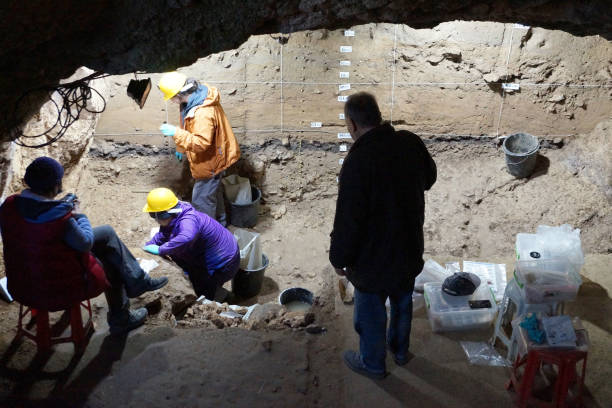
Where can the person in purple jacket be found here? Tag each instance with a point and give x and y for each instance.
(202, 247)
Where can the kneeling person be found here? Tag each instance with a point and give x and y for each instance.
(201, 246)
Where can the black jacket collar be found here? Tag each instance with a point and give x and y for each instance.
(371, 134)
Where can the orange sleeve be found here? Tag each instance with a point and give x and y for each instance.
(202, 133)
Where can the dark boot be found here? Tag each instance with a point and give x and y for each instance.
(126, 320)
(147, 284)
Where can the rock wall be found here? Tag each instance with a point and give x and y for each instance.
(441, 81)
(69, 150)
(591, 155)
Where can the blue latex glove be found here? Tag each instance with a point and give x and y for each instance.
(154, 249)
(167, 130)
(179, 156)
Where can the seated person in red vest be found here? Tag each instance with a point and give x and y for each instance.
(54, 258)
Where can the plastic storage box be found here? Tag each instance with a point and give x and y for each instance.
(452, 313)
(529, 247)
(524, 344)
(549, 280)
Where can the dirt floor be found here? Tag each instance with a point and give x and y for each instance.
(189, 355)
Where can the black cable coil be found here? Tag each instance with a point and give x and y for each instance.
(74, 98)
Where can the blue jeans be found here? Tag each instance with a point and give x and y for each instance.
(121, 268)
(370, 320)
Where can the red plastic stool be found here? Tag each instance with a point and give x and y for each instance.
(566, 362)
(79, 333)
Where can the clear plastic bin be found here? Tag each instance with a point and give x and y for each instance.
(524, 344)
(546, 281)
(529, 247)
(551, 243)
(452, 313)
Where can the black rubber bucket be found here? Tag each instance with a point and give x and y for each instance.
(247, 283)
(521, 151)
(296, 295)
(245, 215)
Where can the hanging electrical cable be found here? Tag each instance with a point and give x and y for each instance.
(69, 99)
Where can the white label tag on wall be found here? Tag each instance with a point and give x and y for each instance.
(341, 116)
(344, 135)
(349, 33)
(511, 87)
(346, 48)
(522, 27)
(342, 98)
(345, 63)
(343, 148)
(316, 124)
(344, 74)
(344, 87)
(340, 161)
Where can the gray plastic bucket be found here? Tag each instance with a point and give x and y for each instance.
(245, 215)
(521, 151)
(247, 283)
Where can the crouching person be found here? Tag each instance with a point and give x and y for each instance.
(198, 244)
(54, 258)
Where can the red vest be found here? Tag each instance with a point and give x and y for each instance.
(42, 270)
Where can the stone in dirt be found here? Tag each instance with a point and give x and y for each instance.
(556, 98)
(298, 319)
(279, 211)
(181, 302)
(263, 314)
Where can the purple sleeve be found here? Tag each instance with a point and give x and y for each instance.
(158, 239)
(187, 231)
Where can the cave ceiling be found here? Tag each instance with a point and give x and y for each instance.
(43, 41)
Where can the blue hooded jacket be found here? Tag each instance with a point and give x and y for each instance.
(37, 209)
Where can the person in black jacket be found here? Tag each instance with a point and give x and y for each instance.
(377, 238)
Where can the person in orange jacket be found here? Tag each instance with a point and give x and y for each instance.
(205, 137)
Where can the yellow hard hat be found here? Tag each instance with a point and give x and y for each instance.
(160, 199)
(171, 83)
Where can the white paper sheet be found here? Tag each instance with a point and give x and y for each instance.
(147, 265)
(493, 274)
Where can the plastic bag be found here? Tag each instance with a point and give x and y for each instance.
(562, 242)
(347, 290)
(481, 353)
(559, 331)
(4, 290)
(452, 267)
(237, 189)
(432, 272)
(418, 301)
(250, 249)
